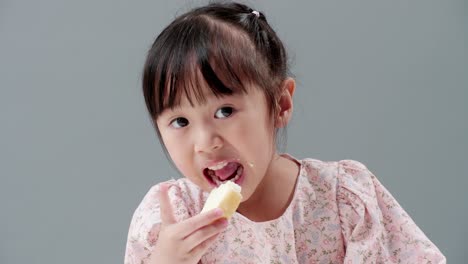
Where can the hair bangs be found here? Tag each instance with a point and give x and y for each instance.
(208, 56)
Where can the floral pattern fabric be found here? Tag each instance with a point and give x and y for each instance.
(340, 213)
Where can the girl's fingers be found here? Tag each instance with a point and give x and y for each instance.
(201, 220)
(167, 215)
(201, 235)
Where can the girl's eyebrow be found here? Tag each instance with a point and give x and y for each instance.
(171, 111)
(179, 108)
(166, 117)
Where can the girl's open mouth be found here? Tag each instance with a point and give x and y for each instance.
(224, 171)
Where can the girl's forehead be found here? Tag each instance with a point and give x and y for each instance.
(210, 98)
(198, 88)
(201, 97)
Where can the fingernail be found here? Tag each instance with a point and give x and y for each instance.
(218, 212)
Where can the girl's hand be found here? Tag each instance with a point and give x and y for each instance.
(188, 240)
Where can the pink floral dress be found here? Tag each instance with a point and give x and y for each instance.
(340, 213)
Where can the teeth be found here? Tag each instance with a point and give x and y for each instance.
(239, 172)
(218, 166)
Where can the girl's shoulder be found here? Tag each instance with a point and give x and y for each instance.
(337, 181)
(337, 173)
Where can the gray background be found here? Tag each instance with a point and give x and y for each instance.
(382, 82)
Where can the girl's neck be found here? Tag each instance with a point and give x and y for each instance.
(273, 196)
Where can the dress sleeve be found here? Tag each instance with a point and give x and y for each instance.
(144, 226)
(376, 229)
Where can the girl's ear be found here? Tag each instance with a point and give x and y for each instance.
(285, 103)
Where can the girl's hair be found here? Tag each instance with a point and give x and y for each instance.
(226, 46)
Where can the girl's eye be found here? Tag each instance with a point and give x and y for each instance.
(179, 122)
(224, 112)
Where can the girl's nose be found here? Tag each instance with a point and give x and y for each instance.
(207, 141)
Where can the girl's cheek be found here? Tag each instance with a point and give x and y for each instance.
(182, 164)
(174, 140)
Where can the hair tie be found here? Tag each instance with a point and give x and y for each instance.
(257, 14)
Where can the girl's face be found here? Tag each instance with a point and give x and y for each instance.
(225, 138)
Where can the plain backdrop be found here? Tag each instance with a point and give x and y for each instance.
(381, 82)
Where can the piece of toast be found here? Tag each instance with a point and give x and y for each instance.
(227, 196)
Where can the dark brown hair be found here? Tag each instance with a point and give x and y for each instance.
(224, 45)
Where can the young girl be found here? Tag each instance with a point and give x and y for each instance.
(217, 88)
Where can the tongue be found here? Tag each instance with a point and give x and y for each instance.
(227, 171)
